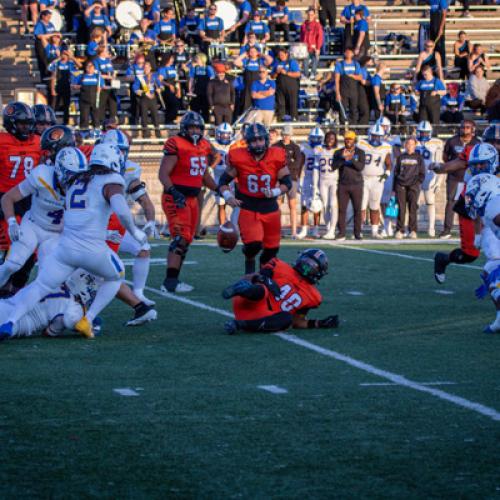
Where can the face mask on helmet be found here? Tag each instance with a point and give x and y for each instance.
(424, 136)
(257, 145)
(375, 140)
(19, 120)
(315, 139)
(224, 138)
(312, 264)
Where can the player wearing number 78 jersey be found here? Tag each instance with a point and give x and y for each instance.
(261, 176)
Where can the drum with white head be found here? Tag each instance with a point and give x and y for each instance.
(57, 20)
(128, 14)
(228, 12)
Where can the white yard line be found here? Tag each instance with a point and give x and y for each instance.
(158, 262)
(126, 391)
(274, 389)
(383, 384)
(392, 377)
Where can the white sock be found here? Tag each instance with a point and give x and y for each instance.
(374, 229)
(106, 293)
(388, 226)
(140, 273)
(7, 269)
(431, 212)
(495, 326)
(26, 299)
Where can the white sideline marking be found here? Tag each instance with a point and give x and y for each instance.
(379, 384)
(392, 377)
(444, 292)
(126, 391)
(158, 262)
(355, 293)
(275, 389)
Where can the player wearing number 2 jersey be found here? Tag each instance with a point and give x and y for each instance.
(183, 171)
(258, 169)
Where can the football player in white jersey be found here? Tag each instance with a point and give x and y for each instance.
(310, 199)
(136, 192)
(431, 150)
(91, 197)
(42, 224)
(328, 182)
(376, 172)
(482, 199)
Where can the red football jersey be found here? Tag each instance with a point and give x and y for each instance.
(192, 161)
(17, 159)
(86, 149)
(254, 176)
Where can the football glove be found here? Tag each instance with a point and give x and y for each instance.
(179, 198)
(150, 230)
(139, 236)
(270, 284)
(329, 322)
(114, 237)
(14, 229)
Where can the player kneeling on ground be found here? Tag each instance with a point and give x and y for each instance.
(280, 296)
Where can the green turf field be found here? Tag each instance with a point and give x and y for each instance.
(403, 401)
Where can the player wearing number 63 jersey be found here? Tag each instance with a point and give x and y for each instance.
(280, 296)
(261, 176)
(183, 171)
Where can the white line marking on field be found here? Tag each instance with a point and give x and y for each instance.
(444, 292)
(380, 384)
(158, 262)
(355, 293)
(126, 391)
(392, 377)
(275, 389)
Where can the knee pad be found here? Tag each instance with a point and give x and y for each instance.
(458, 256)
(250, 250)
(268, 254)
(179, 246)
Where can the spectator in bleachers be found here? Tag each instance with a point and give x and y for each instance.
(221, 95)
(245, 13)
(364, 84)
(182, 62)
(461, 49)
(166, 28)
(259, 27)
(44, 30)
(328, 13)
(361, 38)
(263, 98)
(395, 105)
(429, 57)
(136, 69)
(188, 27)
(62, 70)
(274, 136)
(144, 36)
(32, 7)
(108, 100)
(452, 104)
(250, 63)
(430, 89)
(287, 74)
(96, 18)
(89, 84)
(326, 92)
(477, 58)
(211, 29)
(348, 19)
(97, 38)
(52, 47)
(252, 42)
(477, 88)
(199, 76)
(171, 89)
(376, 90)
(493, 102)
(146, 88)
(151, 10)
(311, 33)
(279, 21)
(347, 78)
(438, 14)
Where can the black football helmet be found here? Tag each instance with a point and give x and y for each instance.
(312, 264)
(44, 115)
(192, 119)
(19, 120)
(55, 138)
(253, 132)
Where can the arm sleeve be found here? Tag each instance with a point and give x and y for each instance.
(26, 188)
(122, 211)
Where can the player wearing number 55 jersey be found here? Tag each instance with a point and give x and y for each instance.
(261, 176)
(183, 171)
(280, 296)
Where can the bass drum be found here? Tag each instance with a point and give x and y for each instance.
(228, 12)
(128, 14)
(57, 20)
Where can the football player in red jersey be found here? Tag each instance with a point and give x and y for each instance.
(20, 152)
(44, 118)
(280, 296)
(257, 169)
(183, 171)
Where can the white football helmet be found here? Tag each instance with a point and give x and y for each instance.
(480, 189)
(483, 159)
(315, 205)
(376, 134)
(424, 131)
(83, 286)
(68, 163)
(119, 138)
(224, 134)
(108, 156)
(385, 123)
(316, 137)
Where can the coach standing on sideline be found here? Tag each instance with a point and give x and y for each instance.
(439, 11)
(350, 161)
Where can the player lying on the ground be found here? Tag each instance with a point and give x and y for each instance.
(482, 199)
(279, 296)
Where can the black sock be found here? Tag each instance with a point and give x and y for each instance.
(249, 266)
(173, 273)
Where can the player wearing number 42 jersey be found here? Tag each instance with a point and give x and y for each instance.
(261, 177)
(183, 172)
(280, 296)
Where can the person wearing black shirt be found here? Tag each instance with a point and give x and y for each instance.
(350, 161)
(409, 173)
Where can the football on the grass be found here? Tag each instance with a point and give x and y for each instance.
(227, 237)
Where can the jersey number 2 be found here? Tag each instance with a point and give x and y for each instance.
(77, 200)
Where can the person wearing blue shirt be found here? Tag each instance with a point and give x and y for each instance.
(44, 30)
(166, 29)
(287, 73)
(430, 89)
(188, 27)
(395, 105)
(151, 10)
(199, 75)
(89, 83)
(279, 20)
(438, 13)
(452, 104)
(96, 18)
(52, 48)
(108, 101)
(377, 89)
(135, 69)
(361, 38)
(171, 90)
(347, 77)
(245, 11)
(348, 19)
(144, 36)
(263, 98)
(257, 26)
(211, 29)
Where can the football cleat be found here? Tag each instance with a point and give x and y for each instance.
(175, 286)
(84, 328)
(97, 326)
(143, 314)
(440, 263)
(6, 330)
(230, 327)
(236, 289)
(140, 295)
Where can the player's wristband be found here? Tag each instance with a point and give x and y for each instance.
(11, 220)
(227, 195)
(275, 192)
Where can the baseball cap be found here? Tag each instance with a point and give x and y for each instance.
(288, 130)
(350, 135)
